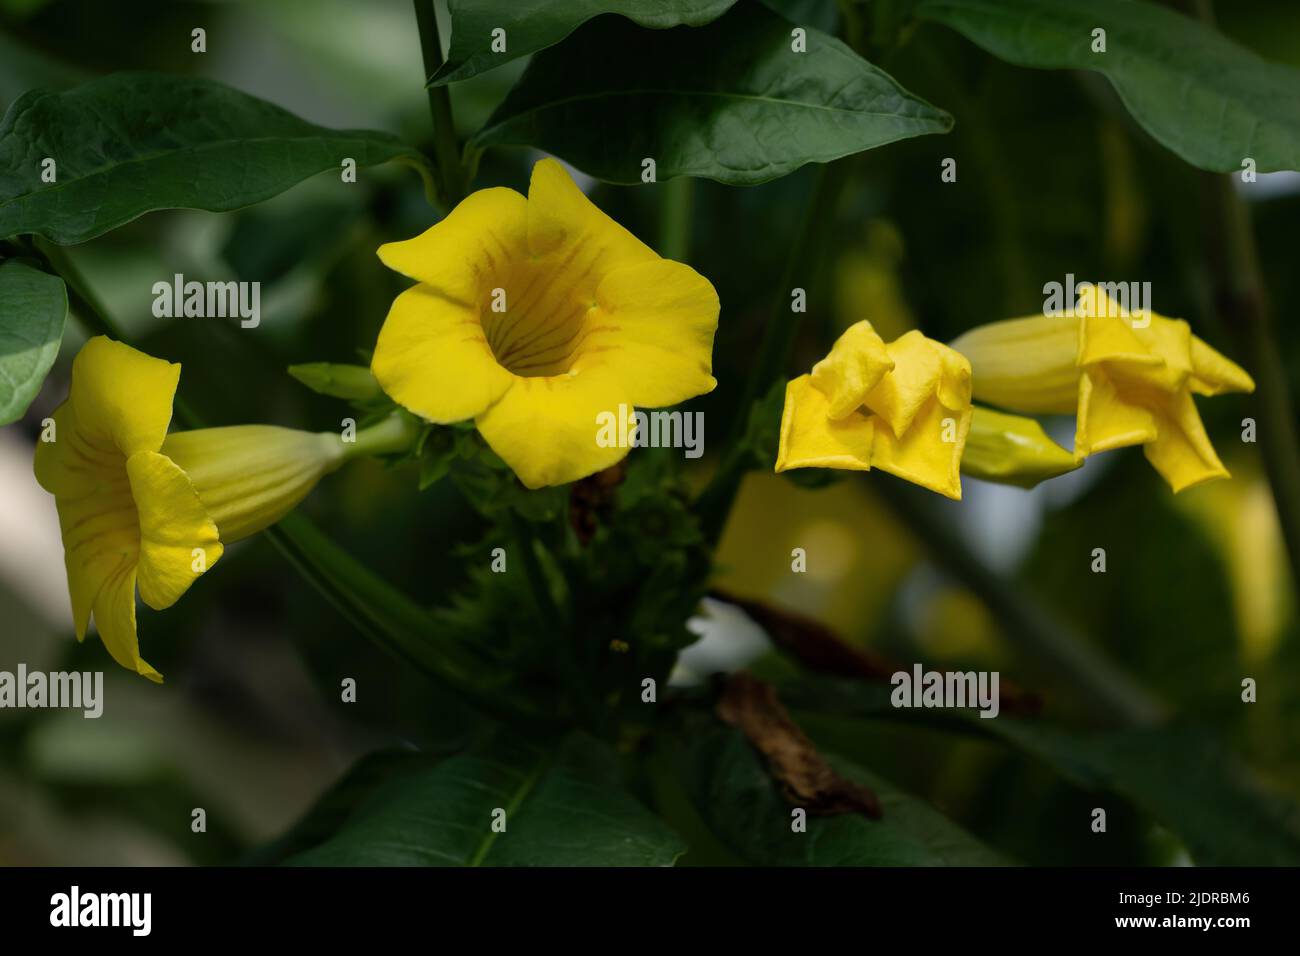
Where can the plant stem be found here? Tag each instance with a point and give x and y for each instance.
(675, 218)
(396, 433)
(1110, 694)
(88, 308)
(451, 174)
(1243, 305)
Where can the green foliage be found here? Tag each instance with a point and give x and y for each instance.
(131, 143)
(1209, 100)
(737, 798)
(523, 690)
(561, 805)
(33, 308)
(730, 101)
(532, 25)
(1182, 777)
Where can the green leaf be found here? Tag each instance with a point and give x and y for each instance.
(33, 308)
(332, 810)
(564, 806)
(1210, 101)
(353, 382)
(532, 25)
(1183, 778)
(738, 800)
(131, 143)
(392, 621)
(730, 101)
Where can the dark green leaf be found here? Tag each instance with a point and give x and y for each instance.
(392, 621)
(329, 813)
(1207, 99)
(33, 308)
(532, 25)
(1181, 777)
(730, 101)
(563, 807)
(131, 143)
(734, 794)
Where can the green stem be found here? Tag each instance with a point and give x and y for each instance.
(395, 434)
(1110, 694)
(89, 310)
(451, 174)
(675, 218)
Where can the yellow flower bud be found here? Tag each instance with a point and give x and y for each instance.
(1012, 450)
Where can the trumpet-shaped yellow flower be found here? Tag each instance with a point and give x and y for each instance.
(532, 317)
(1012, 450)
(903, 407)
(140, 508)
(1129, 380)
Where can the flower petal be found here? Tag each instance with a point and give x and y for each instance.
(1182, 452)
(654, 330)
(1107, 418)
(565, 224)
(1108, 338)
(69, 466)
(455, 256)
(115, 619)
(100, 534)
(433, 358)
(545, 428)
(929, 452)
(173, 526)
(914, 381)
(810, 438)
(121, 397)
(120, 402)
(857, 362)
(1214, 373)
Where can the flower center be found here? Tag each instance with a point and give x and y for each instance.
(535, 316)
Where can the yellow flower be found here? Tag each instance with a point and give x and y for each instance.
(1012, 450)
(1128, 380)
(532, 317)
(139, 507)
(902, 407)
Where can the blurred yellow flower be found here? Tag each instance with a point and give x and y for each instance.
(1129, 381)
(534, 316)
(903, 407)
(137, 507)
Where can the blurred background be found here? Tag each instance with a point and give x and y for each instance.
(1054, 179)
